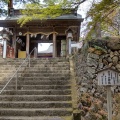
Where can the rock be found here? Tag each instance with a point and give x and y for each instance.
(118, 117)
(83, 90)
(92, 62)
(109, 59)
(111, 54)
(115, 60)
(105, 106)
(119, 58)
(109, 50)
(100, 60)
(105, 62)
(100, 66)
(118, 66)
(110, 64)
(119, 51)
(91, 70)
(107, 55)
(84, 84)
(92, 55)
(113, 67)
(116, 53)
(93, 90)
(114, 43)
(97, 95)
(88, 117)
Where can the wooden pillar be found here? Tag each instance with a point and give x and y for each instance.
(109, 102)
(27, 44)
(14, 41)
(54, 45)
(10, 6)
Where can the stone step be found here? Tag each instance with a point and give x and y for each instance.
(37, 59)
(6, 71)
(50, 59)
(47, 68)
(7, 67)
(36, 92)
(42, 78)
(35, 118)
(41, 82)
(15, 66)
(34, 74)
(44, 74)
(49, 62)
(37, 87)
(35, 112)
(35, 98)
(36, 104)
(45, 71)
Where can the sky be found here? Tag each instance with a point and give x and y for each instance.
(84, 7)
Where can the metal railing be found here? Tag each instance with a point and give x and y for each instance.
(16, 72)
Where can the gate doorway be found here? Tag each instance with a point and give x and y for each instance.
(45, 49)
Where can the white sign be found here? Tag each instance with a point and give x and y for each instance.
(20, 41)
(108, 77)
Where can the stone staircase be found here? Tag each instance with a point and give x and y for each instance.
(44, 92)
(8, 67)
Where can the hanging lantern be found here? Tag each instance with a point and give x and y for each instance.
(69, 33)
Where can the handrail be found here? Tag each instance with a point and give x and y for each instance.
(16, 72)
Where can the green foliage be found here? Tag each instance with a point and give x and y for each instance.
(104, 12)
(100, 48)
(47, 9)
(41, 11)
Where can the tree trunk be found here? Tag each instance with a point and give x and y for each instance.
(10, 7)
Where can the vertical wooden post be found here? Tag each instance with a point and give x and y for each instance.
(14, 41)
(10, 5)
(27, 44)
(54, 45)
(109, 103)
(67, 47)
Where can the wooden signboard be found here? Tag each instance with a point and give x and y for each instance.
(10, 52)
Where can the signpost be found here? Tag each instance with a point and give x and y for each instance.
(108, 77)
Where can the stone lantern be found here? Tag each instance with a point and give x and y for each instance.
(6, 35)
(108, 77)
(69, 34)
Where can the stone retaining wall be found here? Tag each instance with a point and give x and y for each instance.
(92, 98)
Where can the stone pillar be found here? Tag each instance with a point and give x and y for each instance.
(4, 48)
(69, 36)
(27, 44)
(54, 45)
(68, 47)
